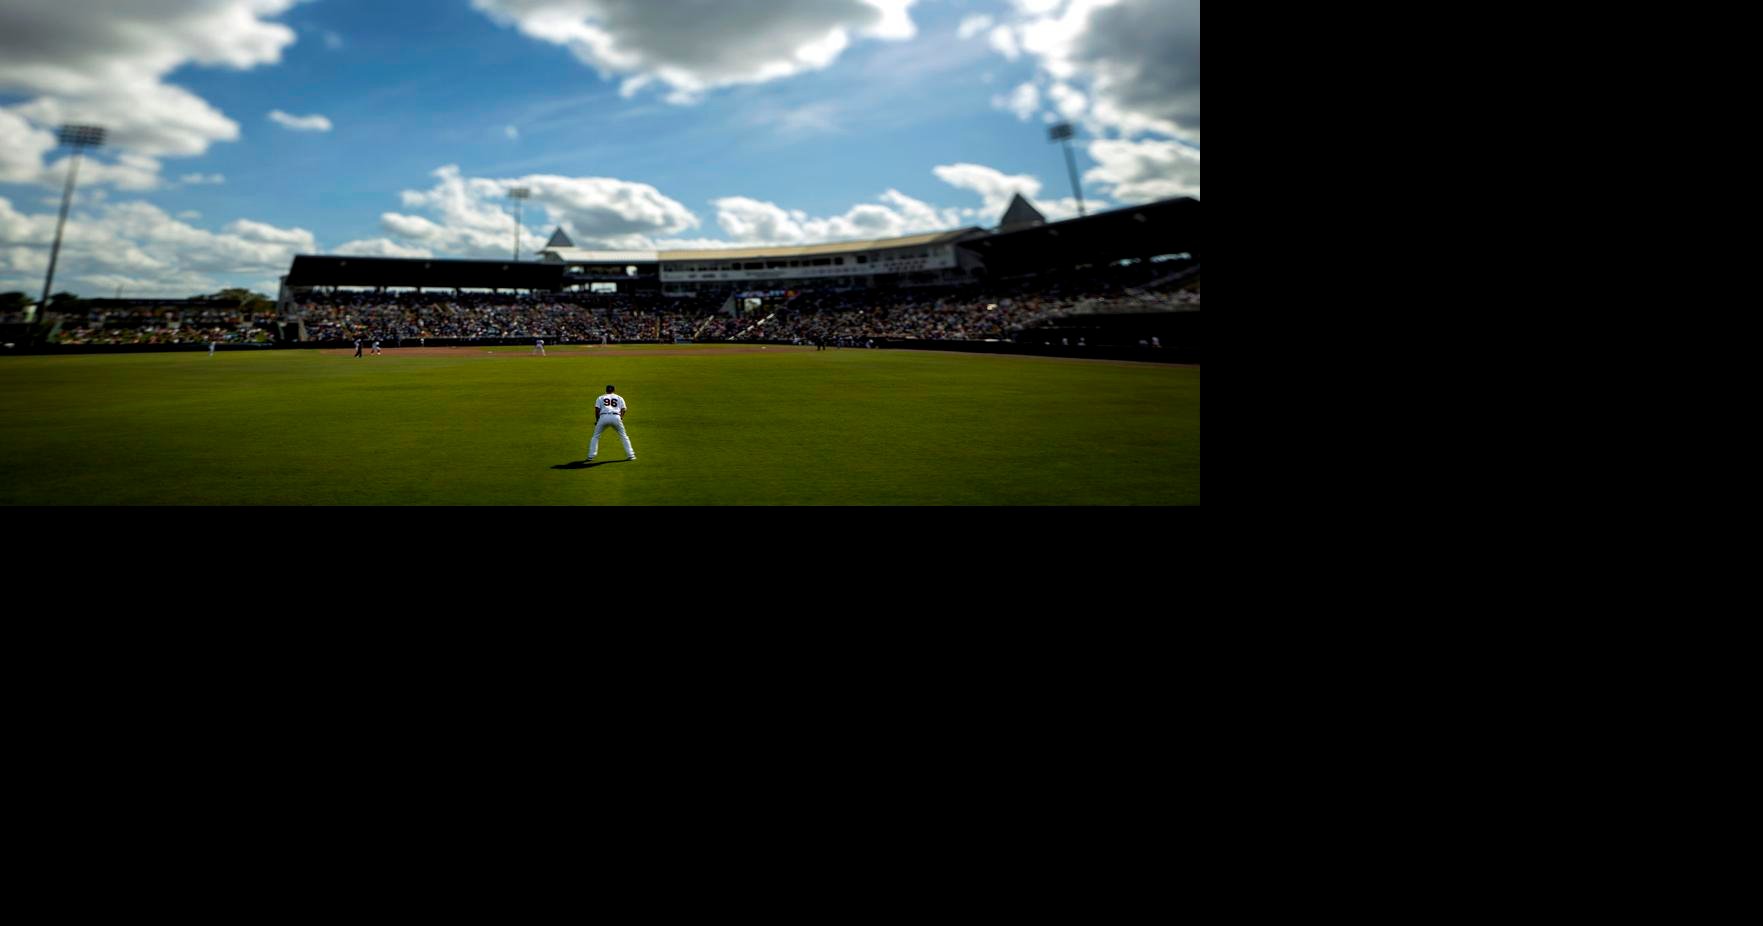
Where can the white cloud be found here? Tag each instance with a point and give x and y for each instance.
(1069, 102)
(247, 230)
(202, 179)
(755, 222)
(1138, 60)
(696, 244)
(138, 246)
(750, 221)
(512, 133)
(189, 215)
(693, 46)
(1144, 62)
(312, 123)
(1023, 101)
(102, 62)
(1124, 70)
(16, 227)
(468, 216)
(22, 148)
(1004, 40)
(896, 19)
(993, 186)
(418, 228)
(996, 188)
(919, 216)
(84, 198)
(333, 41)
(1141, 171)
(796, 122)
(380, 247)
(1051, 33)
(473, 219)
(974, 25)
(127, 172)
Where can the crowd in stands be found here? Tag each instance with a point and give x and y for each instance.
(995, 310)
(557, 317)
(225, 324)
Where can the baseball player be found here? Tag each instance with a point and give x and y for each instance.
(357, 347)
(539, 347)
(376, 347)
(609, 412)
(211, 347)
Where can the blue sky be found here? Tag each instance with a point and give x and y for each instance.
(400, 125)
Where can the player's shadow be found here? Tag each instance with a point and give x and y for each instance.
(583, 464)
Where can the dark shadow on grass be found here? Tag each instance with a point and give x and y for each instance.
(583, 464)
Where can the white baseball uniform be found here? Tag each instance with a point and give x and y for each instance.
(607, 410)
(539, 348)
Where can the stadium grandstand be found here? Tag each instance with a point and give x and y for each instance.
(1127, 277)
(229, 318)
(1023, 243)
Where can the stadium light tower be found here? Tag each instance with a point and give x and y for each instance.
(518, 194)
(79, 138)
(1062, 133)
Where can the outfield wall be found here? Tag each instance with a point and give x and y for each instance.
(1184, 348)
(59, 349)
(366, 345)
(1166, 354)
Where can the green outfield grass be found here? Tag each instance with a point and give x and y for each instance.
(783, 426)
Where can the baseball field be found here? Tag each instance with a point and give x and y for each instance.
(711, 425)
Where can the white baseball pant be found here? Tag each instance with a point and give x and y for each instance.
(616, 424)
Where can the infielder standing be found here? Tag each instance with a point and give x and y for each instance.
(609, 411)
(539, 348)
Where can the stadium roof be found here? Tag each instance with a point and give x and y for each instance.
(572, 255)
(330, 270)
(575, 255)
(559, 240)
(1169, 226)
(1147, 230)
(1021, 214)
(839, 247)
